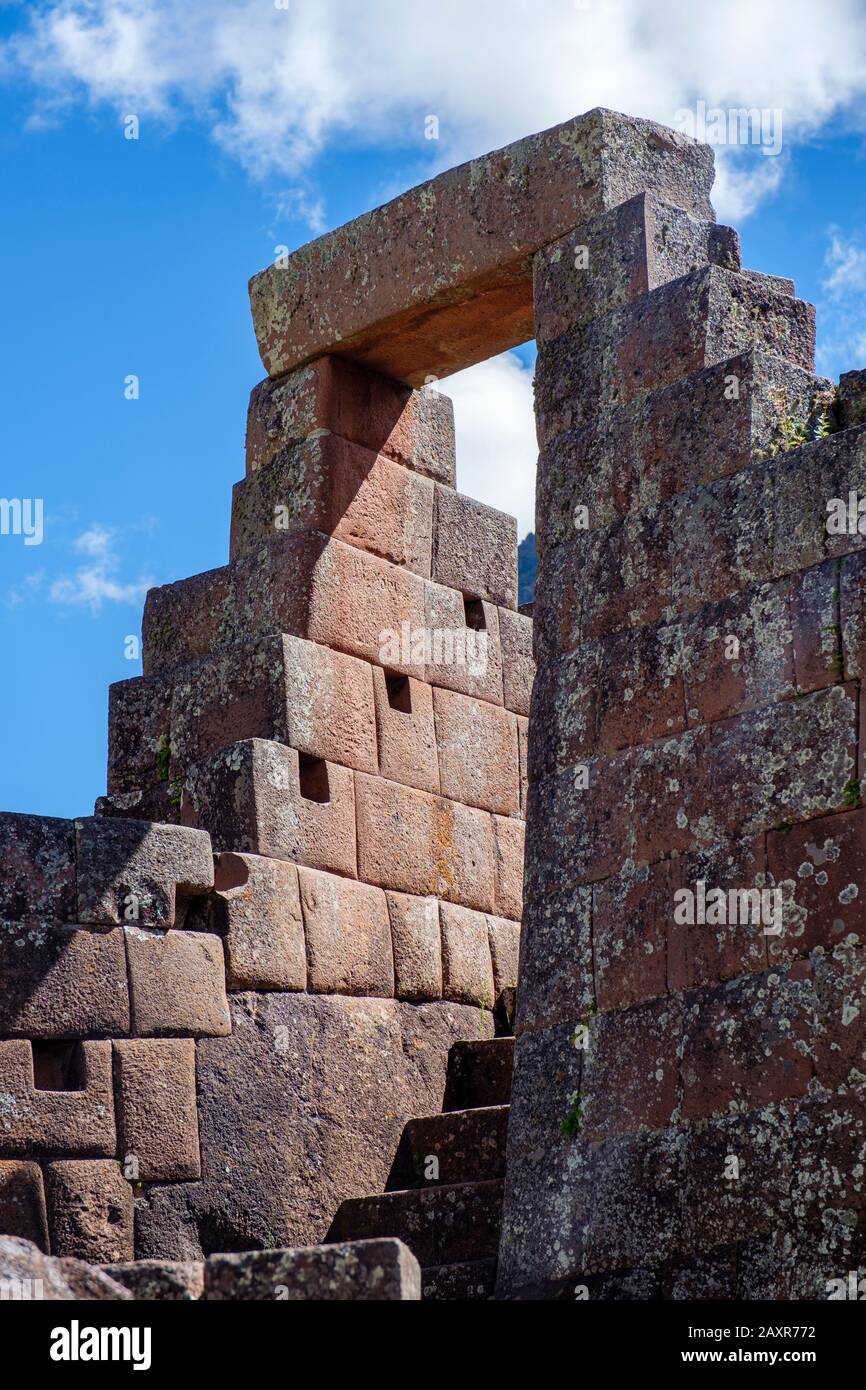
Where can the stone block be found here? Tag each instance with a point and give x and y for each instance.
(416, 843)
(852, 399)
(364, 1271)
(317, 701)
(160, 1281)
(133, 871)
(58, 1100)
(256, 908)
(177, 984)
(327, 484)
(22, 1204)
(504, 954)
(405, 731)
(156, 1109)
(819, 867)
(38, 857)
(718, 943)
(348, 935)
(338, 396)
(630, 1079)
(518, 665)
(710, 424)
(467, 968)
(443, 273)
(474, 549)
(508, 838)
(696, 321)
(260, 797)
(738, 654)
(620, 255)
(478, 754)
(90, 1211)
(463, 647)
(417, 946)
(139, 729)
(68, 1281)
(631, 916)
(815, 612)
(62, 983)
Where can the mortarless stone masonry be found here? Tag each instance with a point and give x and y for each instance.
(292, 923)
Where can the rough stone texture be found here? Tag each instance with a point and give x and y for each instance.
(282, 688)
(63, 1280)
(64, 1116)
(256, 908)
(38, 857)
(417, 946)
(22, 1205)
(348, 936)
(441, 277)
(852, 398)
(371, 1064)
(405, 731)
(478, 753)
(366, 1271)
(327, 484)
(467, 969)
(62, 983)
(251, 798)
(474, 549)
(336, 395)
(160, 1280)
(518, 666)
(508, 838)
(132, 871)
(156, 1108)
(176, 984)
(415, 843)
(90, 1206)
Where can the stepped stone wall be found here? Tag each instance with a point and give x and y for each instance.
(223, 996)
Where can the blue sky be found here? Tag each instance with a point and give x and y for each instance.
(132, 257)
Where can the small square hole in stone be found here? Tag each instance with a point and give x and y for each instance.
(399, 693)
(314, 779)
(473, 609)
(58, 1066)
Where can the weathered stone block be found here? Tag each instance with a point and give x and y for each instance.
(504, 954)
(371, 1064)
(425, 845)
(139, 727)
(335, 395)
(417, 946)
(22, 1204)
(260, 797)
(177, 984)
(820, 869)
(630, 1078)
(696, 321)
(467, 968)
(156, 1109)
(518, 665)
(463, 646)
(90, 1208)
(508, 838)
(620, 255)
(348, 935)
(62, 983)
(56, 1280)
(478, 755)
(631, 917)
(705, 951)
(281, 688)
(444, 272)
(474, 549)
(256, 908)
(163, 1281)
(38, 858)
(133, 871)
(58, 1099)
(366, 1271)
(852, 398)
(405, 731)
(327, 484)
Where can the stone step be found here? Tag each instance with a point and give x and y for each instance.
(479, 1074)
(475, 1280)
(441, 1226)
(459, 1147)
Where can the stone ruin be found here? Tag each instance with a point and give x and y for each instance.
(256, 1013)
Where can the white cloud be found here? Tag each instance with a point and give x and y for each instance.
(279, 86)
(496, 445)
(95, 582)
(845, 262)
